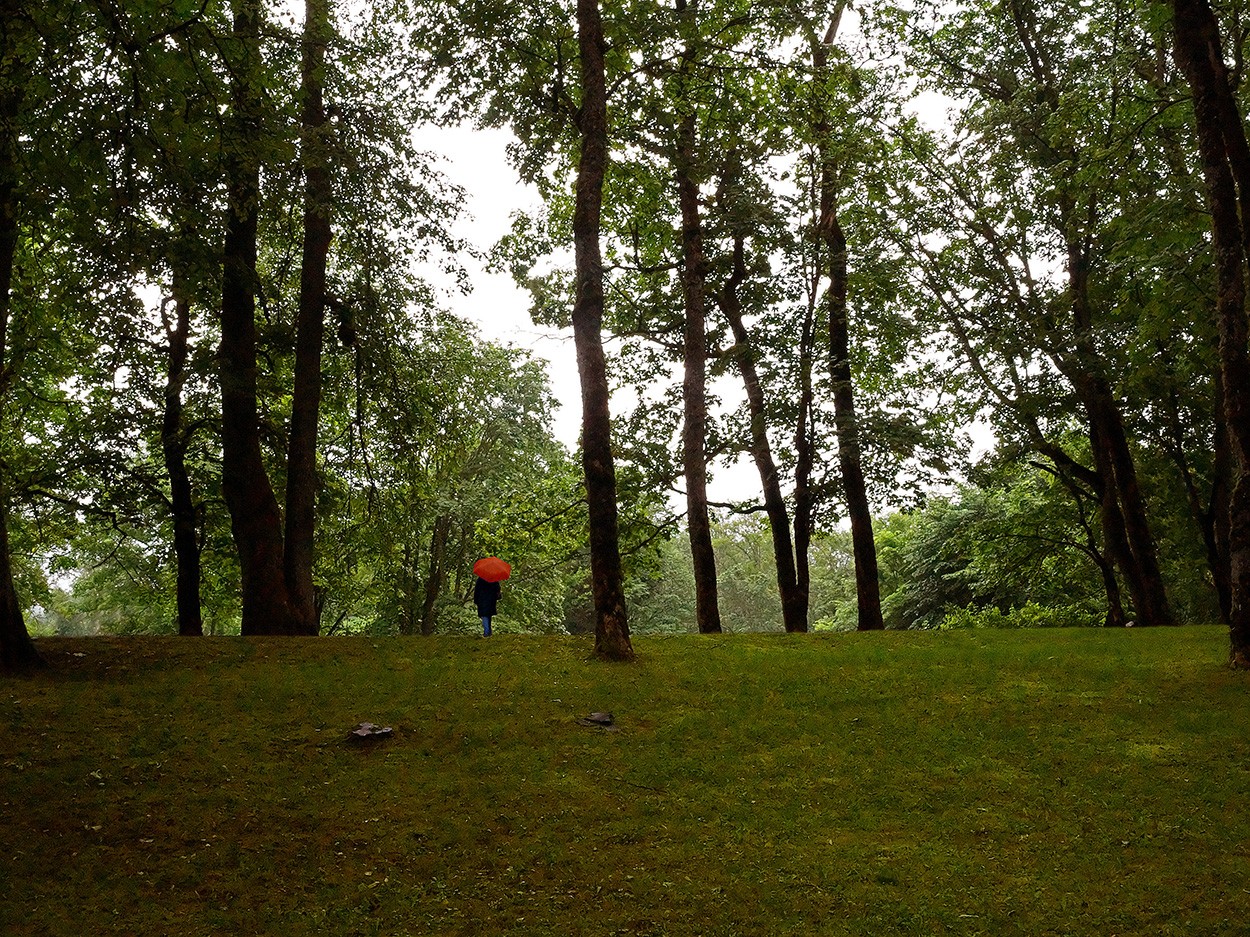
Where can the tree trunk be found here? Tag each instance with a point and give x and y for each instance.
(1213, 509)
(301, 479)
(1074, 476)
(1115, 606)
(612, 639)
(793, 601)
(1226, 169)
(435, 573)
(1115, 538)
(867, 582)
(694, 394)
(1216, 518)
(1113, 457)
(255, 519)
(409, 619)
(17, 650)
(804, 461)
(174, 450)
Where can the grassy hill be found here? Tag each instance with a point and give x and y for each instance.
(1004, 782)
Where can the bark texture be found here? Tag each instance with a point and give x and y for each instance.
(612, 640)
(302, 485)
(17, 650)
(694, 385)
(255, 519)
(174, 450)
(793, 600)
(850, 463)
(1225, 157)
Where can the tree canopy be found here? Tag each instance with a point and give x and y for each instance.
(830, 241)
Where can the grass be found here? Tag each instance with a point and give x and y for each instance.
(1004, 782)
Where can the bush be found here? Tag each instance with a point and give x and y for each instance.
(1029, 615)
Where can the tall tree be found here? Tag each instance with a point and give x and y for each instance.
(254, 513)
(1051, 101)
(694, 384)
(1225, 155)
(868, 589)
(16, 648)
(793, 600)
(612, 639)
(301, 482)
(174, 450)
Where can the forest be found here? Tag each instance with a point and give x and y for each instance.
(827, 238)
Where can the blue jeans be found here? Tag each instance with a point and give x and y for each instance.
(486, 626)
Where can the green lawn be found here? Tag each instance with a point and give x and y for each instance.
(990, 782)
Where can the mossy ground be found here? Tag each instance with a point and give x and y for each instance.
(1006, 782)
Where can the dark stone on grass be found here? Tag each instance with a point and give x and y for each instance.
(597, 721)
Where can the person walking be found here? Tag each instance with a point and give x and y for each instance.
(486, 598)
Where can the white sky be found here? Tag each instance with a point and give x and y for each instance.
(476, 161)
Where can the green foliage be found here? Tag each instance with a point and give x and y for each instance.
(448, 456)
(662, 602)
(1068, 127)
(1029, 615)
(1006, 547)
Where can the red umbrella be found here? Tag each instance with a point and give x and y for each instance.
(492, 569)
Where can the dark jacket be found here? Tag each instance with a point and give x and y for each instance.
(485, 596)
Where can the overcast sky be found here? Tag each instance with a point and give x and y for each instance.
(476, 160)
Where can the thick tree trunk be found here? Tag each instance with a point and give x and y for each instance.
(612, 639)
(793, 600)
(1225, 157)
(256, 521)
(694, 394)
(867, 581)
(301, 479)
(17, 650)
(174, 450)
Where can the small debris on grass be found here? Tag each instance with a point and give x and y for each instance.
(370, 732)
(598, 721)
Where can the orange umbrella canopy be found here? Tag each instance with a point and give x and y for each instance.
(492, 569)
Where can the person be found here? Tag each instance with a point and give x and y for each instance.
(486, 598)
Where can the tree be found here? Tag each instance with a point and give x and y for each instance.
(612, 627)
(255, 516)
(301, 476)
(1225, 155)
(1049, 106)
(174, 450)
(694, 356)
(793, 600)
(848, 430)
(16, 39)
